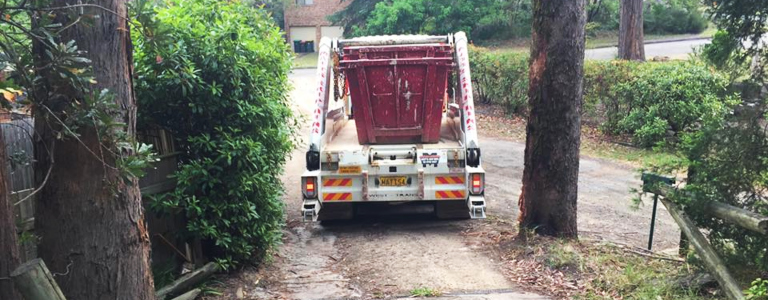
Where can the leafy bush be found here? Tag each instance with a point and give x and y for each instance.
(730, 165)
(660, 17)
(500, 78)
(727, 162)
(481, 19)
(726, 54)
(603, 12)
(758, 290)
(673, 17)
(214, 74)
(601, 105)
(674, 97)
(399, 16)
(645, 100)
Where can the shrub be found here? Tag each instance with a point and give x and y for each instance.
(661, 17)
(645, 100)
(500, 78)
(480, 19)
(675, 97)
(600, 104)
(758, 290)
(727, 162)
(726, 55)
(214, 74)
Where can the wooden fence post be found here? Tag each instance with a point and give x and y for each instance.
(33, 280)
(705, 251)
(185, 282)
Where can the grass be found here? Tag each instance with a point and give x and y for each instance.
(492, 120)
(305, 60)
(562, 255)
(600, 40)
(425, 292)
(636, 156)
(611, 39)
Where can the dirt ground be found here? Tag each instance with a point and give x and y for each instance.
(389, 255)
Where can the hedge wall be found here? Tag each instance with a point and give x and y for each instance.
(650, 101)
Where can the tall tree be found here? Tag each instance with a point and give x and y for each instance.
(355, 14)
(550, 179)
(9, 246)
(631, 45)
(89, 214)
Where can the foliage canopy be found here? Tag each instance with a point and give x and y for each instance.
(499, 19)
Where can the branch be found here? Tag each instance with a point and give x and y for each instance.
(22, 7)
(19, 27)
(50, 168)
(74, 135)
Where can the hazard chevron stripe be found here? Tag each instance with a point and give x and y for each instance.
(337, 196)
(449, 194)
(449, 180)
(337, 182)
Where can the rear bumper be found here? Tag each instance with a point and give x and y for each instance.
(475, 206)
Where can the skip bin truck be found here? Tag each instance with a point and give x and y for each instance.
(393, 121)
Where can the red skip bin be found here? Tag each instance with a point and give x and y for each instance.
(398, 92)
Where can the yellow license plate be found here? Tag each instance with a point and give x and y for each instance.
(393, 181)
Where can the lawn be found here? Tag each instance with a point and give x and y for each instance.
(305, 61)
(495, 123)
(611, 39)
(600, 40)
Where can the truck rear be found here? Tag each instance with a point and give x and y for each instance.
(393, 122)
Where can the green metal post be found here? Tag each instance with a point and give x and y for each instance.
(653, 221)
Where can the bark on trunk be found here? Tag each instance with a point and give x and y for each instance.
(90, 222)
(9, 247)
(549, 193)
(631, 45)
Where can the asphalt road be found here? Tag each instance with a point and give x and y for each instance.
(678, 49)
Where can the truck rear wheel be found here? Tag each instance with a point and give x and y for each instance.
(451, 209)
(336, 211)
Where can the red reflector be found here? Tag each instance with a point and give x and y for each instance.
(310, 184)
(477, 183)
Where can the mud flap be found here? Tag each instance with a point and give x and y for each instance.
(452, 209)
(336, 211)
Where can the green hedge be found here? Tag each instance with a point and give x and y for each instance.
(214, 74)
(649, 101)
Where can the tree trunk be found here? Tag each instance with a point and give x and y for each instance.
(9, 246)
(90, 222)
(550, 179)
(631, 45)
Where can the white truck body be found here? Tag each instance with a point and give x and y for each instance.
(352, 173)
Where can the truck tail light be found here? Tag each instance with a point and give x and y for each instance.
(477, 182)
(309, 187)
